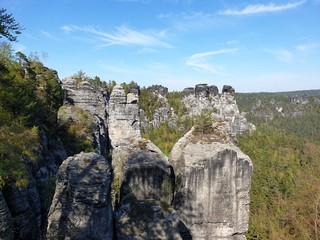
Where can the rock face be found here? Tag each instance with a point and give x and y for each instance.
(85, 96)
(25, 210)
(124, 122)
(146, 188)
(6, 227)
(81, 207)
(206, 98)
(212, 186)
(92, 100)
(144, 172)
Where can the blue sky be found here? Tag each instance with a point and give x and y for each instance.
(250, 45)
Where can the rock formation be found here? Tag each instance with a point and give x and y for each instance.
(212, 186)
(92, 100)
(123, 121)
(81, 207)
(6, 226)
(146, 193)
(224, 107)
(25, 211)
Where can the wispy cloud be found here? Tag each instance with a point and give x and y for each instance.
(48, 35)
(198, 61)
(191, 21)
(282, 55)
(261, 8)
(307, 47)
(123, 36)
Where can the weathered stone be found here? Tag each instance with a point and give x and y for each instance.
(146, 193)
(143, 171)
(6, 226)
(85, 96)
(81, 207)
(212, 187)
(201, 90)
(158, 90)
(224, 107)
(188, 91)
(140, 220)
(24, 206)
(124, 121)
(213, 91)
(228, 89)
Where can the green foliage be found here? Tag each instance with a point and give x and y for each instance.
(286, 168)
(16, 143)
(77, 132)
(149, 102)
(30, 95)
(9, 28)
(203, 124)
(175, 102)
(165, 137)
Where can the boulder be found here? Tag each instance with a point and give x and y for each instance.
(81, 206)
(213, 180)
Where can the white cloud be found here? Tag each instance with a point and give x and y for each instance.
(282, 55)
(48, 35)
(192, 21)
(307, 47)
(123, 36)
(262, 8)
(198, 61)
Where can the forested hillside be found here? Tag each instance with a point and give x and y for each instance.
(285, 150)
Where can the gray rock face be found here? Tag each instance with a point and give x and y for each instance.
(81, 207)
(85, 96)
(212, 187)
(144, 172)
(158, 90)
(140, 220)
(146, 189)
(6, 227)
(24, 206)
(82, 95)
(206, 98)
(124, 122)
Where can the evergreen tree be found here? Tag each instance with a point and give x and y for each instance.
(9, 28)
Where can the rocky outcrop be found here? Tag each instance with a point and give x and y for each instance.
(85, 96)
(145, 181)
(213, 179)
(144, 172)
(82, 95)
(223, 107)
(81, 207)
(123, 121)
(6, 226)
(25, 209)
(159, 90)
(147, 220)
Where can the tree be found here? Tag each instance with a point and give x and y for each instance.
(8, 26)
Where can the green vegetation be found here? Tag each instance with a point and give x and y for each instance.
(77, 132)
(165, 137)
(30, 96)
(149, 103)
(9, 28)
(175, 102)
(285, 150)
